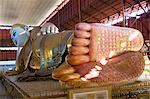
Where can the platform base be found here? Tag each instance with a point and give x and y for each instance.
(34, 89)
(51, 89)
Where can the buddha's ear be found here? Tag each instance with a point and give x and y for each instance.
(27, 29)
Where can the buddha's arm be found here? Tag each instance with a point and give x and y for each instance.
(20, 66)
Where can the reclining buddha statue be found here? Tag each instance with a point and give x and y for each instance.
(40, 50)
(97, 55)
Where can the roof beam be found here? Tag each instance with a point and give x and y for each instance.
(137, 1)
(98, 11)
(104, 2)
(91, 15)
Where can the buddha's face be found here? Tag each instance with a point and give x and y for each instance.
(19, 36)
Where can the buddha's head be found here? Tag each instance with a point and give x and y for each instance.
(19, 34)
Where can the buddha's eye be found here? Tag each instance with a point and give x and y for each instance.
(14, 34)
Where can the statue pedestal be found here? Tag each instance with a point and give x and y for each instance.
(54, 90)
(51, 89)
